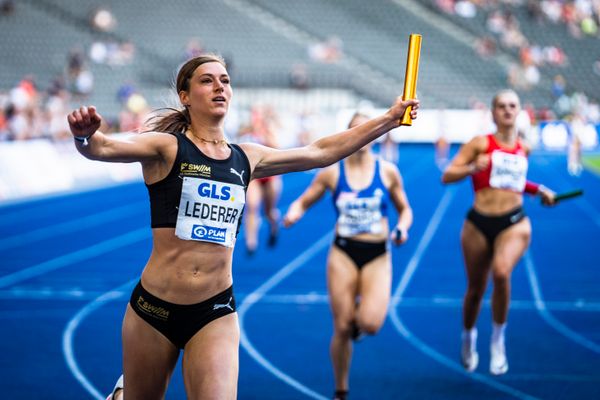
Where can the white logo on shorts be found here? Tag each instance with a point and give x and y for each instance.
(515, 218)
(218, 306)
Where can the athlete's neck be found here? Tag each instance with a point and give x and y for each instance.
(506, 136)
(360, 157)
(207, 134)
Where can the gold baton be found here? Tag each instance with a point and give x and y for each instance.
(412, 72)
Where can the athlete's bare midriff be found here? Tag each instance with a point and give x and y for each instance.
(186, 271)
(491, 201)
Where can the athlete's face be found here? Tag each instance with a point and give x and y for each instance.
(209, 91)
(355, 122)
(506, 109)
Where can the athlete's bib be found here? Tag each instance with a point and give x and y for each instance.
(209, 211)
(509, 171)
(358, 215)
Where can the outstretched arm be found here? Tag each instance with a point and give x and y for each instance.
(323, 181)
(328, 150)
(400, 200)
(93, 144)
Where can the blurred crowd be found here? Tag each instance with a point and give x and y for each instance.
(581, 18)
(33, 109)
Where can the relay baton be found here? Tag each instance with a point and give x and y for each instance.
(568, 195)
(397, 234)
(412, 72)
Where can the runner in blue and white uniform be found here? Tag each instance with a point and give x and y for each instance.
(359, 267)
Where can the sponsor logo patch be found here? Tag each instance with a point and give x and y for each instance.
(209, 233)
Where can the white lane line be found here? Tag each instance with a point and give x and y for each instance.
(75, 225)
(259, 293)
(77, 256)
(540, 305)
(73, 324)
(401, 288)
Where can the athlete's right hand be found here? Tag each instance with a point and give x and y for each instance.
(293, 215)
(399, 108)
(84, 121)
(481, 162)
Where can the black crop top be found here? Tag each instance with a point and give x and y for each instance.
(165, 194)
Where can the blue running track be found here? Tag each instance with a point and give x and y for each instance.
(68, 264)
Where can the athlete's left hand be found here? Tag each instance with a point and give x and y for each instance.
(547, 195)
(399, 235)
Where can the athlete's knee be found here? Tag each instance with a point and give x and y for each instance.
(474, 294)
(501, 277)
(369, 326)
(343, 327)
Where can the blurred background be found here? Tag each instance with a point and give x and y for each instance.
(297, 64)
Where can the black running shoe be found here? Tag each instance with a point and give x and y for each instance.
(273, 236)
(357, 335)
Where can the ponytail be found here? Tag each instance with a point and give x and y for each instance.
(168, 120)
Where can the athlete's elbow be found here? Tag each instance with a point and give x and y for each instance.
(320, 157)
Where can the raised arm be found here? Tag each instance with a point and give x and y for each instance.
(328, 150)
(400, 201)
(324, 180)
(93, 144)
(469, 160)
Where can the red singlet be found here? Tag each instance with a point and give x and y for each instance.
(507, 168)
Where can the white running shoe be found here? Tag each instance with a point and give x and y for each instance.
(498, 361)
(118, 386)
(469, 358)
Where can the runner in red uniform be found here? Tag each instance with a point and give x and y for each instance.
(496, 232)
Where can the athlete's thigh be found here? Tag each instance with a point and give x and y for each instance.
(148, 359)
(253, 195)
(375, 289)
(210, 360)
(272, 188)
(477, 253)
(342, 283)
(510, 246)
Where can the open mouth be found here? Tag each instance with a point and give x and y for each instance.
(219, 99)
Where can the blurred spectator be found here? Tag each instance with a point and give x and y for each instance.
(101, 19)
(558, 86)
(596, 67)
(112, 53)
(75, 61)
(124, 92)
(465, 9)
(328, 52)
(446, 6)
(134, 113)
(57, 107)
(80, 78)
(7, 7)
(299, 76)
(193, 48)
(534, 10)
(485, 47)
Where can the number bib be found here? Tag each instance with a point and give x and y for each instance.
(358, 215)
(209, 211)
(509, 171)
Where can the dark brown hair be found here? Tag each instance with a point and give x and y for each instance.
(174, 120)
